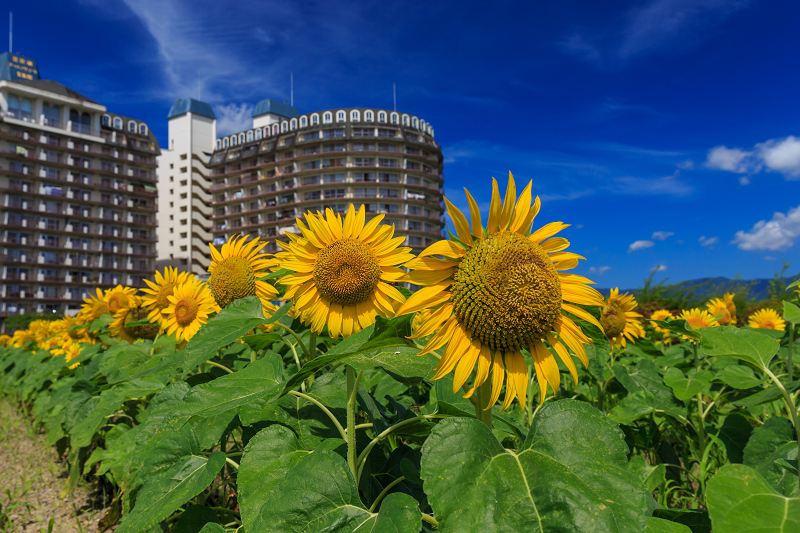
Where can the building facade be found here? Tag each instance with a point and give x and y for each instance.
(184, 197)
(77, 194)
(289, 163)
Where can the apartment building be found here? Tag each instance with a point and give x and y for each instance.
(288, 163)
(184, 197)
(77, 194)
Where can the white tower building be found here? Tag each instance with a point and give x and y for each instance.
(184, 191)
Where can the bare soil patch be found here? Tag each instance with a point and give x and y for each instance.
(32, 477)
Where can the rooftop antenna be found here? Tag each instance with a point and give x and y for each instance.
(394, 94)
(10, 32)
(199, 88)
(291, 88)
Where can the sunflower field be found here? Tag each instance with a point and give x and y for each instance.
(310, 391)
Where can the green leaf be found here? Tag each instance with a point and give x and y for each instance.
(194, 518)
(735, 434)
(570, 475)
(286, 488)
(791, 313)
(92, 417)
(262, 341)
(767, 395)
(748, 345)
(739, 499)
(770, 442)
(679, 326)
(249, 388)
(229, 325)
(687, 387)
(161, 497)
(641, 404)
(651, 475)
(646, 378)
(659, 525)
(740, 377)
(216, 528)
(449, 402)
(696, 521)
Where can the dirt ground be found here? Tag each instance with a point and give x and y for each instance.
(32, 477)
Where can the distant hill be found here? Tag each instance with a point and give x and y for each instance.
(705, 288)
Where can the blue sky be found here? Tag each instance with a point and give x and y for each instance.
(663, 130)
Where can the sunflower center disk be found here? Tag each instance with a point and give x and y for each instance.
(507, 292)
(185, 311)
(346, 272)
(162, 299)
(613, 320)
(148, 331)
(233, 278)
(117, 301)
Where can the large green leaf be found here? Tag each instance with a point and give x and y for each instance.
(696, 521)
(570, 475)
(739, 377)
(770, 442)
(659, 525)
(745, 344)
(679, 326)
(160, 497)
(229, 325)
(250, 387)
(791, 313)
(735, 434)
(739, 499)
(284, 488)
(194, 518)
(645, 377)
(687, 387)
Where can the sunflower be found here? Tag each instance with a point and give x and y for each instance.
(119, 327)
(189, 306)
(619, 320)
(661, 314)
(22, 337)
(719, 308)
(95, 306)
(5, 340)
(497, 290)
(70, 350)
(767, 319)
(156, 299)
(79, 334)
(728, 299)
(341, 270)
(235, 271)
(121, 297)
(697, 318)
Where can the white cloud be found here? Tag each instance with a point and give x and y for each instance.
(599, 270)
(686, 165)
(660, 268)
(232, 118)
(781, 156)
(662, 235)
(770, 258)
(667, 185)
(730, 159)
(775, 235)
(744, 180)
(707, 241)
(639, 245)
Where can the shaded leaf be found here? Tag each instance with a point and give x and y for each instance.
(740, 377)
(739, 499)
(687, 387)
(659, 525)
(745, 344)
(696, 521)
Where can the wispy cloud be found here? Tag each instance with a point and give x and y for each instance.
(653, 27)
(599, 270)
(777, 234)
(707, 241)
(659, 268)
(640, 245)
(776, 155)
(662, 235)
(232, 118)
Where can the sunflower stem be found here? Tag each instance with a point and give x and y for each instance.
(787, 398)
(789, 365)
(352, 391)
(484, 394)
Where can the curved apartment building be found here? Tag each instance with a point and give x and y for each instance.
(288, 163)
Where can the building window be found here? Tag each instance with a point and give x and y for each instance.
(132, 127)
(394, 118)
(405, 120)
(355, 116)
(314, 119)
(368, 116)
(258, 134)
(233, 140)
(225, 142)
(382, 117)
(327, 118)
(219, 147)
(106, 121)
(415, 122)
(142, 129)
(340, 116)
(303, 122)
(293, 124)
(250, 136)
(241, 138)
(117, 123)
